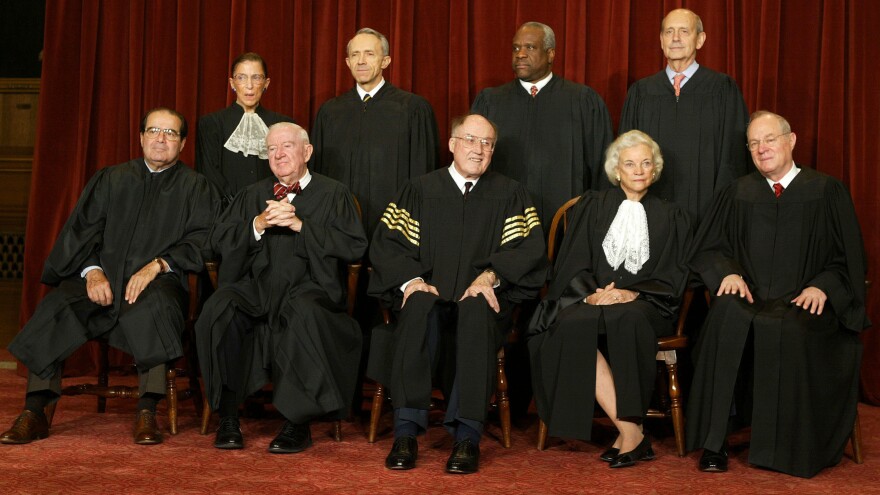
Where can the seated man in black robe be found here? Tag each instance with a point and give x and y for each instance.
(119, 267)
(782, 251)
(454, 252)
(279, 313)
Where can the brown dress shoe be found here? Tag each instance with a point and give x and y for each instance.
(28, 426)
(146, 431)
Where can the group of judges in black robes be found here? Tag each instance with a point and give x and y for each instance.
(453, 250)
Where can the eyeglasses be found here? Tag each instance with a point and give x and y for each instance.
(486, 144)
(257, 79)
(768, 141)
(170, 134)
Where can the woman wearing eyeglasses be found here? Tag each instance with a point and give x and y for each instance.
(231, 148)
(616, 287)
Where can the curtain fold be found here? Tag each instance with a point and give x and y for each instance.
(106, 62)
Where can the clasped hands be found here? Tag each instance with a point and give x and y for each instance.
(278, 214)
(811, 298)
(99, 290)
(483, 284)
(609, 294)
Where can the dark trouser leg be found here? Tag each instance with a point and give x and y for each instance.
(410, 421)
(42, 392)
(233, 370)
(151, 386)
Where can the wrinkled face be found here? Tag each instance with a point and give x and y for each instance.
(159, 151)
(774, 159)
(249, 81)
(365, 60)
(636, 169)
(679, 39)
(472, 160)
(531, 62)
(288, 154)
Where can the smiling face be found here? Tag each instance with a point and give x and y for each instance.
(471, 161)
(636, 169)
(159, 152)
(679, 39)
(249, 91)
(772, 160)
(531, 62)
(288, 152)
(366, 60)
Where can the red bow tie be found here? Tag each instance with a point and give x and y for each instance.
(281, 191)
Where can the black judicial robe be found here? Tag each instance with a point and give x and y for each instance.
(294, 284)
(125, 217)
(702, 134)
(553, 144)
(375, 148)
(802, 402)
(432, 231)
(230, 172)
(564, 330)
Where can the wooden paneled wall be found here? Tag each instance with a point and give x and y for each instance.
(18, 124)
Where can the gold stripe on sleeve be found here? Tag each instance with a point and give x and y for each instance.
(399, 219)
(520, 225)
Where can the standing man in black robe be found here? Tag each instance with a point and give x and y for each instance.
(782, 251)
(699, 122)
(279, 313)
(119, 271)
(552, 132)
(552, 139)
(455, 251)
(375, 137)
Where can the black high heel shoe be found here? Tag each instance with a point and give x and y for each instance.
(642, 452)
(609, 454)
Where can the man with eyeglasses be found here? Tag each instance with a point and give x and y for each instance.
(455, 250)
(696, 115)
(782, 252)
(375, 137)
(553, 132)
(119, 271)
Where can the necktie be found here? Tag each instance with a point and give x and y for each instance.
(677, 84)
(777, 189)
(367, 98)
(281, 191)
(467, 188)
(534, 91)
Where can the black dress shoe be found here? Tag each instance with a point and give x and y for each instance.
(291, 439)
(229, 434)
(403, 453)
(714, 462)
(642, 452)
(609, 455)
(28, 426)
(465, 458)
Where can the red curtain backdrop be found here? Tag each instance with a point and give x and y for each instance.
(106, 62)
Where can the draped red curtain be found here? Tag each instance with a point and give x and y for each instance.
(106, 62)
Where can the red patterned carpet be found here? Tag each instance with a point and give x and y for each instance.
(92, 453)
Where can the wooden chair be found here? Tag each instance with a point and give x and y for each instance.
(353, 271)
(502, 401)
(103, 391)
(669, 403)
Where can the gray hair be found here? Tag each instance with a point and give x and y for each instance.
(386, 48)
(697, 20)
(549, 36)
(303, 135)
(628, 140)
(783, 124)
